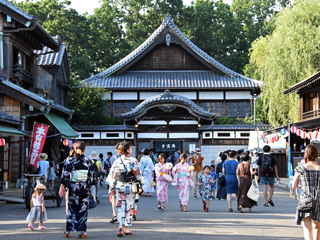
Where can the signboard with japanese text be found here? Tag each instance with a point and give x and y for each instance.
(39, 135)
(167, 146)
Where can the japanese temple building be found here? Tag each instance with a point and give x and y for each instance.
(168, 93)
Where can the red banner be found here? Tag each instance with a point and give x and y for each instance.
(38, 140)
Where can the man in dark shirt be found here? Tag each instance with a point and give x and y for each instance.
(267, 169)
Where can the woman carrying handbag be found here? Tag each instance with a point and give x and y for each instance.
(162, 185)
(310, 177)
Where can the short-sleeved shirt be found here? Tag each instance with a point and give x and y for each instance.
(273, 163)
(44, 165)
(197, 159)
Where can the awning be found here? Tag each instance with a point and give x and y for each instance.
(62, 126)
(10, 131)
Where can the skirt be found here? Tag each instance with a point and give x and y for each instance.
(36, 215)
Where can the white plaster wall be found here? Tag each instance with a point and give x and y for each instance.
(125, 96)
(104, 150)
(190, 95)
(211, 152)
(210, 95)
(238, 95)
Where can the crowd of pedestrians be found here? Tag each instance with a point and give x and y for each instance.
(128, 178)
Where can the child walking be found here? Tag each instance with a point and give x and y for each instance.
(52, 175)
(38, 211)
(215, 179)
(205, 181)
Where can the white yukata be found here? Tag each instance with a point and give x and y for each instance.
(125, 198)
(146, 166)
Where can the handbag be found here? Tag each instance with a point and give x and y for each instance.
(167, 177)
(222, 181)
(308, 204)
(92, 202)
(253, 192)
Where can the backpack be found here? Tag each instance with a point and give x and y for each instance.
(266, 165)
(95, 169)
(107, 164)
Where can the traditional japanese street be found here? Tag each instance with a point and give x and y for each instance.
(264, 223)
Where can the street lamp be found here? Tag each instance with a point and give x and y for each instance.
(254, 97)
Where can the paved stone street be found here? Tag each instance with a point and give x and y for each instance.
(265, 223)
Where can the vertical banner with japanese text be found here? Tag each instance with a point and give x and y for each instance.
(38, 139)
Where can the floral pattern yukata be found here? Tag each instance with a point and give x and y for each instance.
(78, 193)
(215, 177)
(206, 186)
(125, 198)
(183, 180)
(146, 166)
(162, 185)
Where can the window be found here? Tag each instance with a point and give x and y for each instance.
(87, 135)
(215, 107)
(206, 135)
(122, 107)
(112, 135)
(129, 135)
(238, 109)
(223, 134)
(244, 134)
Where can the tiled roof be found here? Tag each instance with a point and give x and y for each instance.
(167, 97)
(17, 10)
(34, 96)
(305, 83)
(97, 80)
(104, 128)
(50, 59)
(234, 127)
(172, 80)
(5, 117)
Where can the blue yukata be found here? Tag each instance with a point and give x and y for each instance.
(78, 191)
(215, 177)
(206, 186)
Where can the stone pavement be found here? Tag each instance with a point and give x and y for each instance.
(265, 223)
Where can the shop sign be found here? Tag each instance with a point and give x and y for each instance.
(167, 146)
(38, 139)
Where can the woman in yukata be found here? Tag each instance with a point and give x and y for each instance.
(162, 185)
(124, 174)
(182, 173)
(146, 166)
(77, 178)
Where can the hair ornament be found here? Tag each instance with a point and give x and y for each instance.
(78, 151)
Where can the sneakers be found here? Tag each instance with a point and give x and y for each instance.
(30, 226)
(195, 197)
(42, 228)
(271, 202)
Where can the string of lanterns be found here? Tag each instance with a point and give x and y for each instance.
(305, 133)
(274, 137)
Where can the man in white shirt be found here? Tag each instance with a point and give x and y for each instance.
(44, 166)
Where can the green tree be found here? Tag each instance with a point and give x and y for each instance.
(288, 55)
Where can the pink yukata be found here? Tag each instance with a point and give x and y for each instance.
(183, 180)
(162, 185)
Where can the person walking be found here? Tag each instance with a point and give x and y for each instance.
(183, 180)
(310, 182)
(229, 169)
(146, 166)
(254, 161)
(162, 185)
(43, 164)
(124, 173)
(97, 166)
(205, 181)
(244, 173)
(52, 175)
(176, 157)
(196, 161)
(267, 168)
(38, 211)
(221, 192)
(77, 177)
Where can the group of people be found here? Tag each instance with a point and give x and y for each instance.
(129, 178)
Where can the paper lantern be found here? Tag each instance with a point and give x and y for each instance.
(2, 142)
(283, 131)
(65, 142)
(298, 132)
(264, 139)
(315, 134)
(303, 134)
(262, 136)
(276, 138)
(309, 135)
(273, 139)
(293, 129)
(74, 145)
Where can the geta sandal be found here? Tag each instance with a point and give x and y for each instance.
(128, 233)
(120, 233)
(83, 235)
(66, 234)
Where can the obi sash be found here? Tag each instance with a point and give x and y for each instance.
(182, 174)
(79, 175)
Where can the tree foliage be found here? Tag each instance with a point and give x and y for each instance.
(288, 55)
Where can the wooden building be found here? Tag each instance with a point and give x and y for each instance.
(34, 71)
(172, 92)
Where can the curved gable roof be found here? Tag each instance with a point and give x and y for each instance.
(165, 99)
(98, 79)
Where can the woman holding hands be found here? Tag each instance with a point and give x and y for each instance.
(182, 173)
(162, 185)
